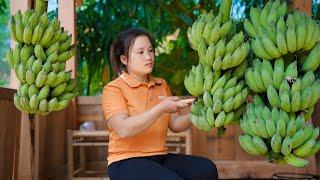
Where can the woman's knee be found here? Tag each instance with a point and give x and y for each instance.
(208, 168)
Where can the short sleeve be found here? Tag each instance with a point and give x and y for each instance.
(113, 101)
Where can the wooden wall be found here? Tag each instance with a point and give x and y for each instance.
(9, 135)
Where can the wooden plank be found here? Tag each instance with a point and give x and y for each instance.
(26, 155)
(254, 169)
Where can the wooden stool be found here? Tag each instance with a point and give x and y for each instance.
(176, 143)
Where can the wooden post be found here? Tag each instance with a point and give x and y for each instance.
(67, 17)
(302, 5)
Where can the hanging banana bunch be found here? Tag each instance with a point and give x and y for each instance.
(275, 124)
(217, 80)
(39, 61)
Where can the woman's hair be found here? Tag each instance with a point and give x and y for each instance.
(121, 46)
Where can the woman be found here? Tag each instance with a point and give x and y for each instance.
(139, 109)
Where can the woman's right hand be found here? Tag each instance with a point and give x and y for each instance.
(173, 104)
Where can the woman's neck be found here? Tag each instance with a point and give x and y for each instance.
(143, 79)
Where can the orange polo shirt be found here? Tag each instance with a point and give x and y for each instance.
(127, 95)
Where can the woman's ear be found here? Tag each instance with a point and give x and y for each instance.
(124, 59)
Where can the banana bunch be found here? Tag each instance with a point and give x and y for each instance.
(39, 61)
(273, 36)
(217, 80)
(262, 74)
(205, 118)
(209, 39)
(279, 136)
(302, 95)
(222, 102)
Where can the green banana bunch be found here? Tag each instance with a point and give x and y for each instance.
(39, 62)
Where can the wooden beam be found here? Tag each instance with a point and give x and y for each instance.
(303, 5)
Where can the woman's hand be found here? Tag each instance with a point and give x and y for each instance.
(173, 104)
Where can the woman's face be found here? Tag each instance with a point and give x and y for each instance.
(141, 57)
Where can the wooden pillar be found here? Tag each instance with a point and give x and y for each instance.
(67, 17)
(303, 5)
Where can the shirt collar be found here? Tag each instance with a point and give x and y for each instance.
(135, 83)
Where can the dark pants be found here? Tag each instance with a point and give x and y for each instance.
(164, 167)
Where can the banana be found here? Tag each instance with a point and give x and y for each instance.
(37, 34)
(209, 59)
(291, 71)
(44, 19)
(207, 100)
(281, 127)
(260, 145)
(312, 61)
(220, 119)
(217, 106)
(229, 118)
(261, 127)
(225, 29)
(47, 36)
(247, 144)
(259, 50)
(202, 49)
(43, 104)
(301, 31)
(295, 161)
(258, 79)
(281, 43)
(27, 34)
(52, 105)
(248, 27)
(269, 46)
(305, 149)
(258, 101)
(291, 128)
(306, 98)
(255, 17)
(264, 14)
(297, 138)
(271, 128)
(39, 52)
(9, 57)
(295, 102)
(12, 29)
(307, 80)
(209, 116)
(286, 146)
(276, 143)
(309, 33)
